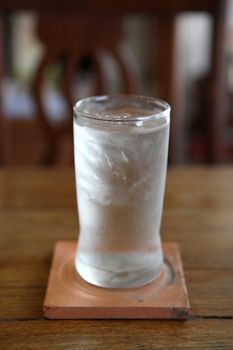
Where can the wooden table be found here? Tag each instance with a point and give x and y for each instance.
(37, 208)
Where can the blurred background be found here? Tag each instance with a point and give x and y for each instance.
(49, 60)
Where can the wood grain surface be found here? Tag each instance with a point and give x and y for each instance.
(37, 208)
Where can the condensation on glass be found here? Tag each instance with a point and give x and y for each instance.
(120, 148)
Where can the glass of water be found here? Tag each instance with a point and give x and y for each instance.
(120, 148)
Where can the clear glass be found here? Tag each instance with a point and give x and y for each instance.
(120, 148)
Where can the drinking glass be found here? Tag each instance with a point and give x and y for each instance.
(120, 149)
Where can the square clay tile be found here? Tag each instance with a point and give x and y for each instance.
(68, 296)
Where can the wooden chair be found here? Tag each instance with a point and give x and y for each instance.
(67, 39)
(94, 27)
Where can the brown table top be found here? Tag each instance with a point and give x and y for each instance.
(37, 208)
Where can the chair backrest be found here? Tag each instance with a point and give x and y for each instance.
(69, 38)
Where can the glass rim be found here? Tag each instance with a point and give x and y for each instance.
(162, 105)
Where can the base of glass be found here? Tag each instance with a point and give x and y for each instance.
(119, 278)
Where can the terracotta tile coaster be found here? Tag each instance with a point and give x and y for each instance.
(68, 296)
